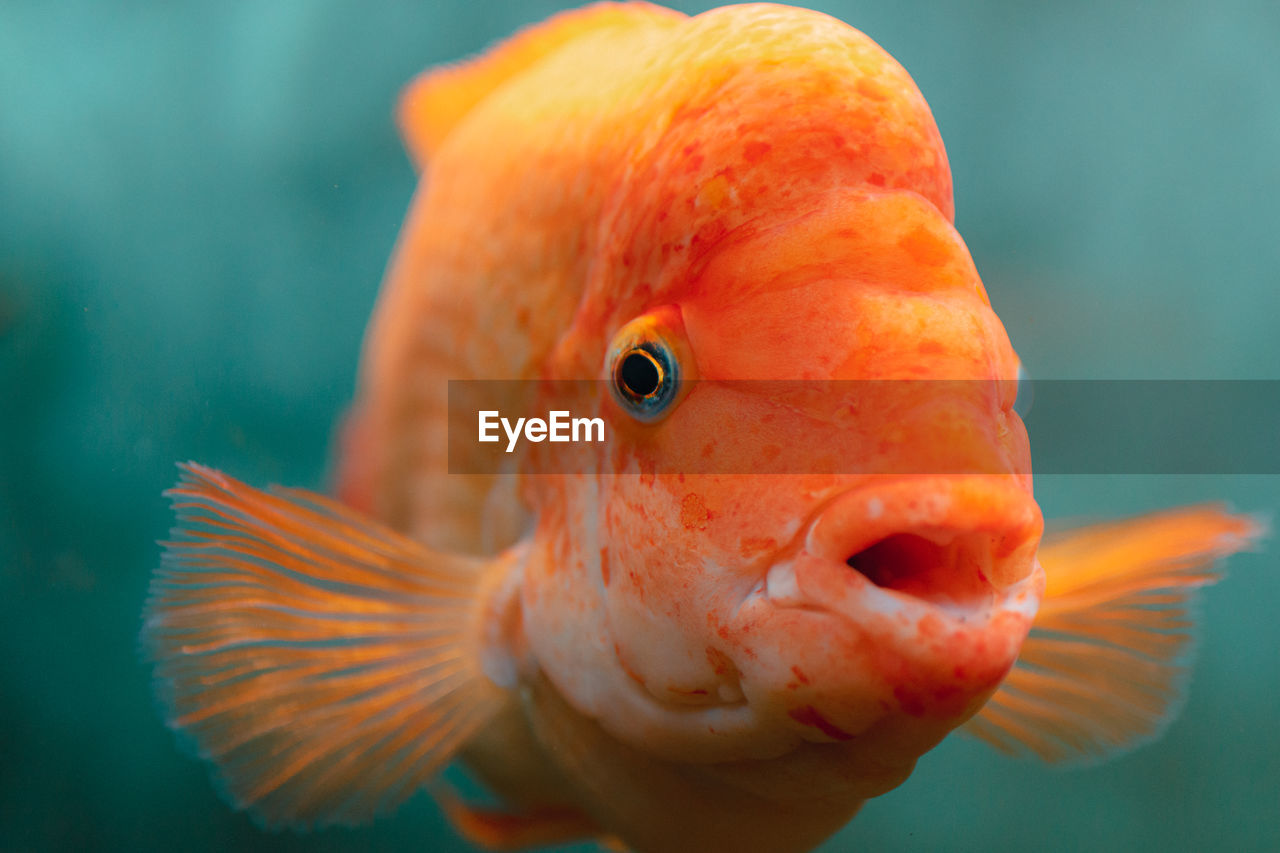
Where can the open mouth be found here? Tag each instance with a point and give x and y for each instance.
(938, 566)
(956, 543)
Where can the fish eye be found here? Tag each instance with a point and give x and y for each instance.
(645, 374)
(646, 378)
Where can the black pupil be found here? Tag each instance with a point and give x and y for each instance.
(640, 374)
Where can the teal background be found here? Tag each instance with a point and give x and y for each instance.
(196, 204)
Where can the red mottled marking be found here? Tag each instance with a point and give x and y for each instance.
(930, 348)
(809, 716)
(693, 512)
(604, 565)
(875, 179)
(800, 674)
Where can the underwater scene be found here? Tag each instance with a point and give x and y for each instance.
(268, 584)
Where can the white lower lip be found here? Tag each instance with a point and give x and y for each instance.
(784, 587)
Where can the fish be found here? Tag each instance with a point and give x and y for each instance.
(662, 654)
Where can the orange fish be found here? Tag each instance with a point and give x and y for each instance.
(674, 659)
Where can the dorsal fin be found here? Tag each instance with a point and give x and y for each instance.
(436, 100)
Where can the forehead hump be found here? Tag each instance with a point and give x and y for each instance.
(757, 112)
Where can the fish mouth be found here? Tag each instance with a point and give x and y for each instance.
(958, 544)
(937, 566)
(952, 542)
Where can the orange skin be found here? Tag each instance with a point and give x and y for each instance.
(768, 187)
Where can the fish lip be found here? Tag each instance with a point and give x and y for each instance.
(966, 503)
(788, 586)
(937, 508)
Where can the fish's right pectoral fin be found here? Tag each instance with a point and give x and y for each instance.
(326, 665)
(1103, 669)
(439, 98)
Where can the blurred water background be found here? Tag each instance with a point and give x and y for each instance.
(196, 204)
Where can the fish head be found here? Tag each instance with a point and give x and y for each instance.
(814, 521)
(813, 526)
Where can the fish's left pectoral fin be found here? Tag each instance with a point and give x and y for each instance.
(1104, 667)
(325, 664)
